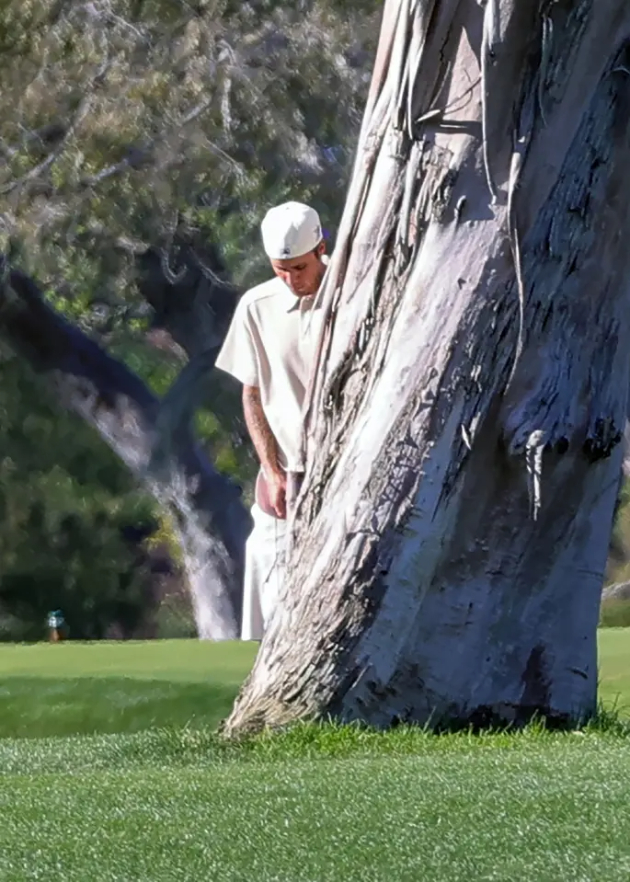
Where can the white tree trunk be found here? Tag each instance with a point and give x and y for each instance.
(464, 456)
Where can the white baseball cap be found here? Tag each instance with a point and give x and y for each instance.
(290, 230)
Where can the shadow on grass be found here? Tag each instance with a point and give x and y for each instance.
(32, 707)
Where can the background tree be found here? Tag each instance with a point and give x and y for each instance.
(152, 438)
(471, 394)
(135, 136)
(66, 510)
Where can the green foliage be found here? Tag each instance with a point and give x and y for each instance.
(615, 614)
(120, 121)
(619, 561)
(174, 620)
(65, 502)
(158, 370)
(123, 123)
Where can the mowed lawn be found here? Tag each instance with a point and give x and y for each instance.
(76, 688)
(151, 794)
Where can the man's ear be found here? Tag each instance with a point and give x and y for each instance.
(321, 248)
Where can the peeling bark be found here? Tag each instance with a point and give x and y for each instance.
(152, 438)
(465, 418)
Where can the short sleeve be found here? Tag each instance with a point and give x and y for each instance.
(238, 355)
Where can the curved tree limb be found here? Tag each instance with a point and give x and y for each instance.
(209, 515)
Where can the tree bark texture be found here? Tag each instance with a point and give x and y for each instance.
(153, 438)
(470, 397)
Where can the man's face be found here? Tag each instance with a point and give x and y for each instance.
(302, 274)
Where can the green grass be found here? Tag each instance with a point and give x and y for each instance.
(73, 688)
(183, 661)
(614, 660)
(159, 798)
(317, 805)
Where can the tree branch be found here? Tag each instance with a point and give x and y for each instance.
(196, 309)
(196, 312)
(210, 518)
(81, 112)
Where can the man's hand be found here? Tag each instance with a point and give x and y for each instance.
(277, 489)
(274, 485)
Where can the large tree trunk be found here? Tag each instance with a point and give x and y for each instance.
(464, 456)
(153, 438)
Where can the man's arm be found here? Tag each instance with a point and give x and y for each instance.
(266, 448)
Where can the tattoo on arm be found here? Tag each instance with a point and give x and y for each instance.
(259, 431)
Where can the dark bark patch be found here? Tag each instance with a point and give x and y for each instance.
(486, 718)
(603, 440)
(536, 691)
(562, 445)
(443, 195)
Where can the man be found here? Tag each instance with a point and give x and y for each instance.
(269, 348)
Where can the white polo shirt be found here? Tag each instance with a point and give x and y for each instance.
(271, 344)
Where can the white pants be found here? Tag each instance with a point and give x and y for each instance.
(264, 572)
